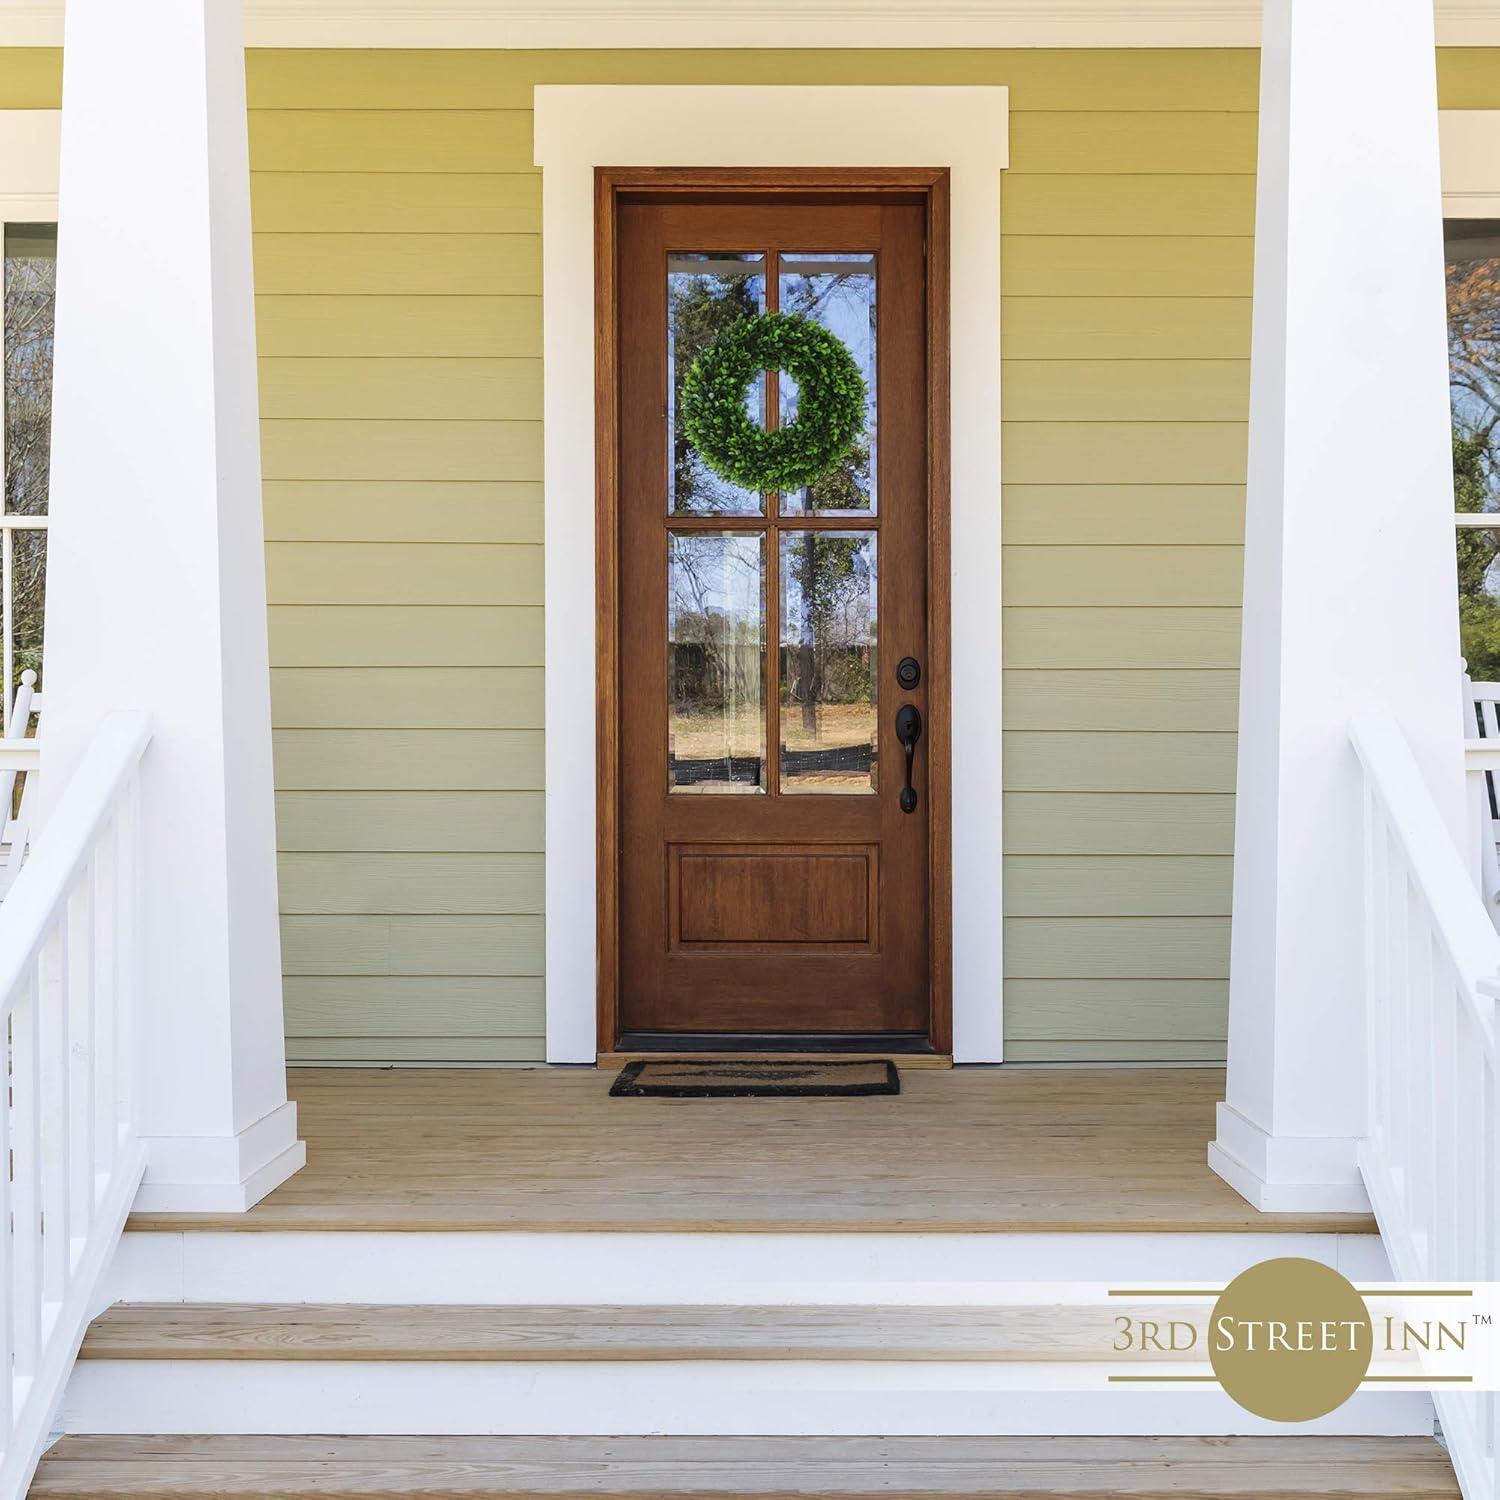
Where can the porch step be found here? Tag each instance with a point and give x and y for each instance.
(602, 1371)
(428, 1333)
(756, 1468)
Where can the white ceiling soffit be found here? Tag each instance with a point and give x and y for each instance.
(752, 23)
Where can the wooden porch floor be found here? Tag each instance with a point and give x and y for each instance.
(1059, 1150)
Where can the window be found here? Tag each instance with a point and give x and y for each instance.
(1472, 254)
(26, 440)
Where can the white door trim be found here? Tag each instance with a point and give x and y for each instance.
(1470, 142)
(580, 127)
(29, 142)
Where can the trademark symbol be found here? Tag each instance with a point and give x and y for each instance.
(1482, 1320)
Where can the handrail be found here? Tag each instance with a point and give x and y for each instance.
(110, 758)
(1437, 868)
(1431, 1148)
(69, 991)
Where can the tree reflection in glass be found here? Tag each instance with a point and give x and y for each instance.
(705, 294)
(716, 662)
(828, 661)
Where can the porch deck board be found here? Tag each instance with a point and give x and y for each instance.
(1265, 1468)
(968, 1150)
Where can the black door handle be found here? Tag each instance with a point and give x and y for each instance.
(908, 731)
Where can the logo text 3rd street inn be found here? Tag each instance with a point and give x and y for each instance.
(1289, 1339)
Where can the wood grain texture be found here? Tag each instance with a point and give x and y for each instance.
(700, 953)
(1085, 1150)
(1246, 1468)
(418, 1333)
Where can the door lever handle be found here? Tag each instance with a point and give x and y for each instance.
(908, 731)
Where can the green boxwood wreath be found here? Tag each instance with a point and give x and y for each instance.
(830, 403)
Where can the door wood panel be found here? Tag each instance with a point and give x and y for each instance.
(760, 876)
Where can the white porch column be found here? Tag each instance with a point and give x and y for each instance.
(1349, 564)
(156, 580)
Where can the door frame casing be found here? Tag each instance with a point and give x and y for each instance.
(612, 186)
(580, 128)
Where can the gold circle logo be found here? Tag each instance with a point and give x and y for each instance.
(1290, 1339)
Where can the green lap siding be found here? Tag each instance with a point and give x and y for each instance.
(397, 217)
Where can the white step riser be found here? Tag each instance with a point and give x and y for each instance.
(680, 1398)
(744, 1269)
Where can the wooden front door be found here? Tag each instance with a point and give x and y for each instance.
(773, 653)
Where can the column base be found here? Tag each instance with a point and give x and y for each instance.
(1287, 1174)
(221, 1174)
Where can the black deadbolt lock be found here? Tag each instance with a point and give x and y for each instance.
(908, 672)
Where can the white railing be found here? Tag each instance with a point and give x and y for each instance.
(68, 995)
(23, 763)
(1481, 761)
(1431, 1152)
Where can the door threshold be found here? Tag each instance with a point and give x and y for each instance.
(911, 1049)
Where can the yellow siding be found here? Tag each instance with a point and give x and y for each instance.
(397, 246)
(397, 253)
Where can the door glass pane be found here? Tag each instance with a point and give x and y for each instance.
(1473, 260)
(828, 661)
(706, 293)
(27, 562)
(837, 291)
(716, 662)
(30, 295)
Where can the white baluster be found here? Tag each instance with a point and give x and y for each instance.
(25, 1085)
(52, 1019)
(106, 999)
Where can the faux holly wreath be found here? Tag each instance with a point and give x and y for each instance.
(830, 403)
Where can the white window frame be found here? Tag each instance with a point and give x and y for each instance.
(1471, 190)
(581, 127)
(28, 195)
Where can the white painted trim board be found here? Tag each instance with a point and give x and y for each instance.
(581, 127)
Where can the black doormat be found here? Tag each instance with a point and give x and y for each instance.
(673, 1079)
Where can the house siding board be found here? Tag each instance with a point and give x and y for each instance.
(397, 213)
(398, 235)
